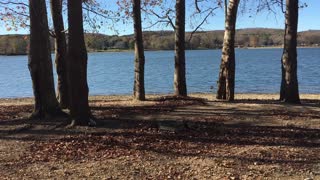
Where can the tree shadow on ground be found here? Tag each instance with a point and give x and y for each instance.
(203, 130)
(245, 145)
(304, 102)
(199, 133)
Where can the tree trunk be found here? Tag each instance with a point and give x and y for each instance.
(77, 66)
(226, 82)
(40, 64)
(180, 85)
(60, 53)
(138, 90)
(289, 91)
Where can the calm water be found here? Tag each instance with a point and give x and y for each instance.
(257, 71)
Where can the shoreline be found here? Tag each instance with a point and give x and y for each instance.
(279, 47)
(200, 49)
(127, 98)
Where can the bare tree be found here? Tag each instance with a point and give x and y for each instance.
(139, 62)
(60, 52)
(176, 18)
(40, 64)
(138, 90)
(180, 85)
(226, 82)
(77, 66)
(289, 85)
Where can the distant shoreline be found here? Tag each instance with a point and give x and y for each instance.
(19, 54)
(279, 47)
(131, 50)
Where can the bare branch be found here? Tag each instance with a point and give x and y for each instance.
(202, 22)
(14, 3)
(166, 16)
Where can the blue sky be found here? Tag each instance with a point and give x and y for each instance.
(307, 20)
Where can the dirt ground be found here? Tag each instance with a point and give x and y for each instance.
(255, 137)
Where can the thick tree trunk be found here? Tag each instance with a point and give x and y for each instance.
(60, 53)
(180, 85)
(77, 66)
(40, 64)
(138, 90)
(289, 91)
(226, 82)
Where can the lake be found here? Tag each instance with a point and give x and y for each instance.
(257, 71)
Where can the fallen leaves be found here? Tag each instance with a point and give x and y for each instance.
(241, 148)
(197, 144)
(14, 112)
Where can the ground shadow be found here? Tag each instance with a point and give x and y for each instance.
(199, 133)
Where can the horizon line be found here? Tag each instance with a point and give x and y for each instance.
(172, 31)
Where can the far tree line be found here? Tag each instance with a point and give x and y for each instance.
(164, 40)
(71, 55)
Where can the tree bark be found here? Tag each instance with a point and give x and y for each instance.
(77, 66)
(180, 85)
(138, 90)
(40, 64)
(289, 91)
(60, 53)
(226, 82)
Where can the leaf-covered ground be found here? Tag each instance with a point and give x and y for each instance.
(165, 138)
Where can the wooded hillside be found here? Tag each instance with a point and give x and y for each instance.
(164, 40)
